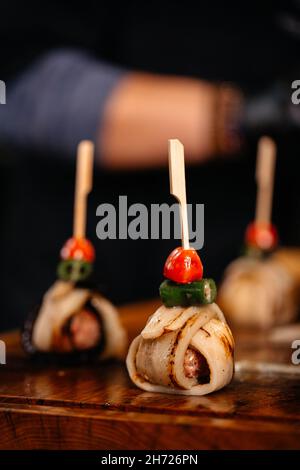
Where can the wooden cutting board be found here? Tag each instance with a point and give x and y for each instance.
(97, 407)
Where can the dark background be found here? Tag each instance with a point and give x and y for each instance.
(240, 42)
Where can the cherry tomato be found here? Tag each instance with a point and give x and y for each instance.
(263, 236)
(78, 249)
(183, 266)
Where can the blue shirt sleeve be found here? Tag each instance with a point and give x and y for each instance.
(57, 102)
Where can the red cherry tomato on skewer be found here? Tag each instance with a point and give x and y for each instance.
(263, 236)
(183, 266)
(78, 249)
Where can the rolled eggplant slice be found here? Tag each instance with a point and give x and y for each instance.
(183, 351)
(259, 293)
(74, 321)
(289, 259)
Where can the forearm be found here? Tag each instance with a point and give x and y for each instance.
(145, 110)
(68, 95)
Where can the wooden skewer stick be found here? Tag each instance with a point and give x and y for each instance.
(84, 179)
(265, 167)
(177, 185)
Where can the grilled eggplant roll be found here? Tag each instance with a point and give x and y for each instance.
(74, 321)
(262, 292)
(186, 351)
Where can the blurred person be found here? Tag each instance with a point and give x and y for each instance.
(130, 77)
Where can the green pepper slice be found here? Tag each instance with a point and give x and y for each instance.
(194, 293)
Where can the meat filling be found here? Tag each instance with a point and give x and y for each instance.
(85, 330)
(195, 366)
(81, 332)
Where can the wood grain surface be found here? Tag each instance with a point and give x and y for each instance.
(97, 407)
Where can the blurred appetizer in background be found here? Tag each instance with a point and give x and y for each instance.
(261, 288)
(74, 319)
(186, 346)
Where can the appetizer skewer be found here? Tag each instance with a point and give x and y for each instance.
(186, 346)
(261, 235)
(260, 289)
(74, 318)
